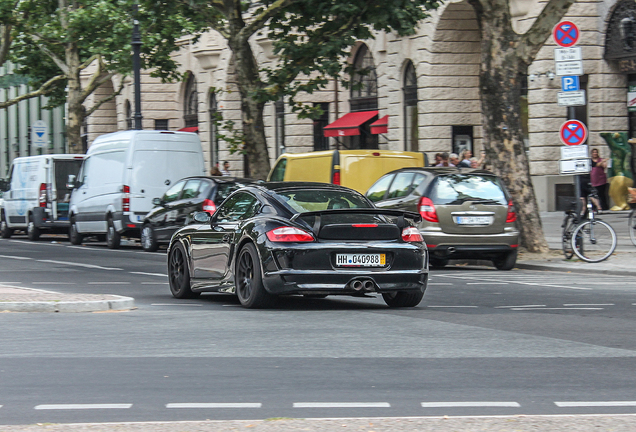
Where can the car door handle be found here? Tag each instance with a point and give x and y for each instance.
(226, 238)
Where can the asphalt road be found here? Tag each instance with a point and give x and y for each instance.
(482, 342)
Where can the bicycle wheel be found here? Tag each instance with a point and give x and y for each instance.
(566, 236)
(632, 226)
(593, 241)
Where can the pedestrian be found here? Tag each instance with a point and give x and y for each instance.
(465, 162)
(444, 162)
(599, 178)
(226, 169)
(215, 171)
(438, 159)
(453, 159)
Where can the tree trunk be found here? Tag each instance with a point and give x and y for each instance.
(500, 85)
(75, 116)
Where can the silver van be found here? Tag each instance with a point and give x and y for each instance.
(36, 198)
(121, 174)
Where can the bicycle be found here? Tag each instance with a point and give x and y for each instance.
(631, 222)
(591, 239)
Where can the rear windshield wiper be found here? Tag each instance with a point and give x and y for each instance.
(475, 201)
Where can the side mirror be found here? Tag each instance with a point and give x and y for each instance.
(157, 201)
(201, 217)
(71, 182)
(4, 185)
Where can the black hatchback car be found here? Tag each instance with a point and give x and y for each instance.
(185, 198)
(466, 213)
(310, 239)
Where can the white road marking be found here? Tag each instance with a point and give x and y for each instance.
(150, 274)
(109, 283)
(439, 283)
(154, 283)
(589, 304)
(524, 283)
(595, 404)
(547, 308)
(15, 257)
(81, 406)
(54, 283)
(520, 306)
(214, 405)
(342, 405)
(452, 306)
(175, 304)
(487, 283)
(93, 266)
(470, 404)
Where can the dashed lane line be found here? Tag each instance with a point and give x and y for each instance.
(81, 406)
(92, 266)
(450, 306)
(214, 405)
(523, 283)
(342, 405)
(474, 404)
(595, 404)
(149, 274)
(176, 304)
(109, 283)
(15, 257)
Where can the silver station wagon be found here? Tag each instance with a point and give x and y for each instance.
(466, 213)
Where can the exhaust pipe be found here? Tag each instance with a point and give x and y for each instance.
(369, 285)
(356, 285)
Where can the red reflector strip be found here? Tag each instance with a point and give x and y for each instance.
(514, 246)
(365, 225)
(431, 246)
(131, 225)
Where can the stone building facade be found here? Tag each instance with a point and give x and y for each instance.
(427, 84)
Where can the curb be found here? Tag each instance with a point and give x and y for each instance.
(591, 270)
(118, 303)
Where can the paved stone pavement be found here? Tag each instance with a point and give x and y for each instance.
(562, 423)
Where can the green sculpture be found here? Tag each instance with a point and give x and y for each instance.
(620, 172)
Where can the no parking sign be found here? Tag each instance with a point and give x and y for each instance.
(566, 34)
(573, 132)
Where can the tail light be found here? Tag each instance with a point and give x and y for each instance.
(512, 215)
(209, 207)
(427, 210)
(125, 201)
(411, 234)
(335, 179)
(289, 234)
(43, 195)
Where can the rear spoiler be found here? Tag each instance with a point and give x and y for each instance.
(415, 217)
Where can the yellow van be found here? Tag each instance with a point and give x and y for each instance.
(356, 169)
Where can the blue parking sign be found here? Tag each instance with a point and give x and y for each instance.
(570, 83)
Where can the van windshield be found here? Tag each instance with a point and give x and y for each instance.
(460, 188)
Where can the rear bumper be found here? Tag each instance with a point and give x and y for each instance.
(128, 224)
(42, 220)
(454, 246)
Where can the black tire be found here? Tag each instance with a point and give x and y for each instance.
(113, 238)
(33, 232)
(632, 226)
(403, 298)
(149, 239)
(437, 262)
(507, 261)
(73, 235)
(5, 231)
(248, 279)
(179, 273)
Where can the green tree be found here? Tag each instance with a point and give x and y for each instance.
(505, 57)
(312, 39)
(54, 41)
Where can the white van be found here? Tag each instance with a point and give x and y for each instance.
(121, 174)
(36, 198)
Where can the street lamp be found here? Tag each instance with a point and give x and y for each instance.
(136, 45)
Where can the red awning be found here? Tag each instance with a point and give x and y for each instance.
(349, 124)
(189, 129)
(380, 126)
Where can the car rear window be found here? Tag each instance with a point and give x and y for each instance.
(308, 200)
(223, 190)
(459, 188)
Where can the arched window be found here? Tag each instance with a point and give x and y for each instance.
(364, 82)
(410, 108)
(215, 117)
(191, 103)
(129, 118)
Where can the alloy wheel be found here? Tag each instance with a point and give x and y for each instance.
(245, 275)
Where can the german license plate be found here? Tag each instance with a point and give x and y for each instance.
(473, 220)
(360, 260)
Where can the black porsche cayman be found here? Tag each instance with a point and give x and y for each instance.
(310, 239)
